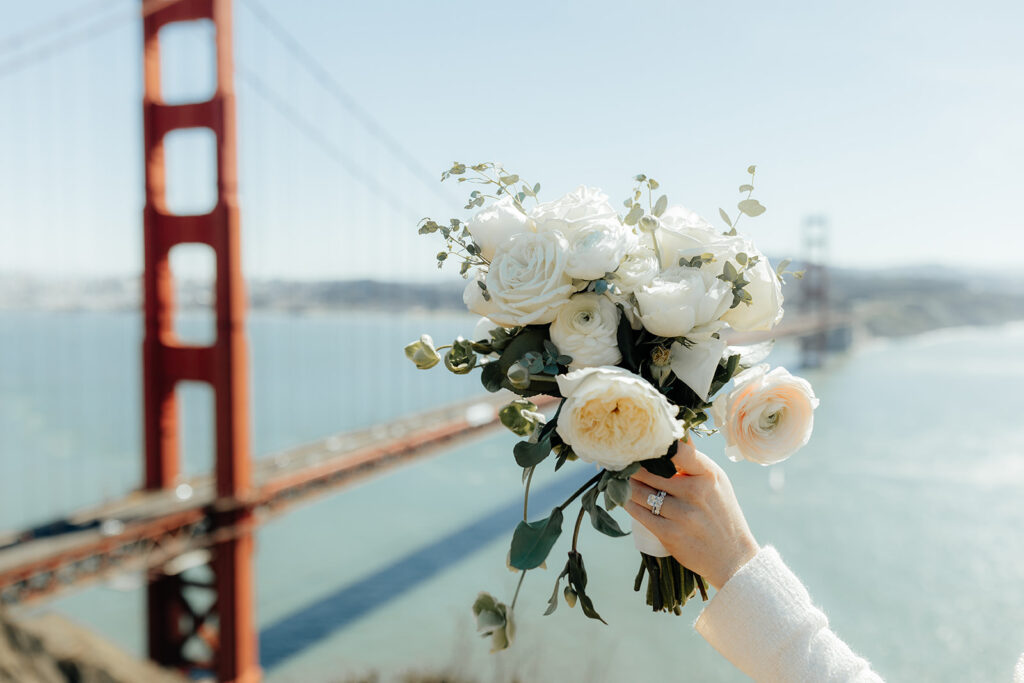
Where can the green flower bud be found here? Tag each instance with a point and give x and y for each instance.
(461, 358)
(660, 364)
(649, 223)
(520, 417)
(423, 353)
(519, 376)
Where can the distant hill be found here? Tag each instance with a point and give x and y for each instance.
(890, 302)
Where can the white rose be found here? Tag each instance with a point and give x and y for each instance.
(578, 209)
(473, 297)
(637, 269)
(765, 310)
(526, 280)
(495, 224)
(680, 229)
(680, 299)
(612, 417)
(598, 248)
(767, 416)
(586, 328)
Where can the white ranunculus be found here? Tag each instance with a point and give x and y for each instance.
(586, 329)
(680, 229)
(767, 416)
(598, 248)
(680, 299)
(638, 268)
(613, 417)
(526, 280)
(580, 208)
(765, 310)
(695, 365)
(496, 223)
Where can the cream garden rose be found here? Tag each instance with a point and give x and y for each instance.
(613, 417)
(680, 299)
(767, 416)
(497, 223)
(526, 281)
(585, 329)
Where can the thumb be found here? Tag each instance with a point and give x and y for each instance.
(687, 459)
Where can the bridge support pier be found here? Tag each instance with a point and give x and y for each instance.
(227, 627)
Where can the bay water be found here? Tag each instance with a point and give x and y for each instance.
(903, 516)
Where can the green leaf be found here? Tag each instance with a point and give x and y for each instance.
(751, 207)
(532, 541)
(553, 601)
(600, 518)
(530, 339)
(509, 179)
(663, 466)
(634, 215)
(746, 188)
(549, 427)
(578, 581)
(530, 454)
(618, 491)
(624, 338)
(751, 169)
(725, 217)
(491, 377)
(661, 205)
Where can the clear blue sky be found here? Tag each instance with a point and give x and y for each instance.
(899, 120)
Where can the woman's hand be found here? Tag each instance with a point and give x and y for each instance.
(701, 522)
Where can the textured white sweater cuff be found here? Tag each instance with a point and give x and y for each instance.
(763, 621)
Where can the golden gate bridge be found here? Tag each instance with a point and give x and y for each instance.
(172, 522)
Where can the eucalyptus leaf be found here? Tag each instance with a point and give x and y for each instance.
(634, 215)
(532, 541)
(531, 454)
(660, 205)
(725, 217)
(751, 207)
(746, 188)
(599, 517)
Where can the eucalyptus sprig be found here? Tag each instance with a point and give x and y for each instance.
(491, 173)
(747, 206)
(458, 243)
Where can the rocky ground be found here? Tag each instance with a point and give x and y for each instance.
(51, 649)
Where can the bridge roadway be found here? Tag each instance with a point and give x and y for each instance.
(146, 529)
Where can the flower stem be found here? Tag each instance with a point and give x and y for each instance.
(522, 575)
(526, 494)
(590, 482)
(576, 531)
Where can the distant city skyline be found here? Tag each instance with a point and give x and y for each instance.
(899, 121)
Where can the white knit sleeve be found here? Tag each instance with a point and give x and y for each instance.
(763, 621)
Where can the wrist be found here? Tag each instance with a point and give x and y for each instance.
(744, 552)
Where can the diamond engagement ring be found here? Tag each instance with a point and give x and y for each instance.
(655, 500)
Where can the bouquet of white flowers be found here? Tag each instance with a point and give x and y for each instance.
(620, 317)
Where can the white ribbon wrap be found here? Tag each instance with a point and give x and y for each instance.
(646, 542)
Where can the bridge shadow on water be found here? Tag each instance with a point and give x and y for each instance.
(302, 629)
